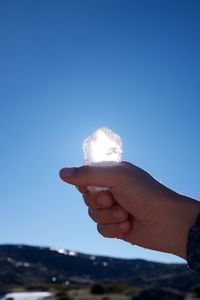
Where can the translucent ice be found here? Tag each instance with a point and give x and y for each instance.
(103, 147)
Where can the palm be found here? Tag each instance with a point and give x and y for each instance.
(144, 235)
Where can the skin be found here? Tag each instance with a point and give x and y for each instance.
(137, 208)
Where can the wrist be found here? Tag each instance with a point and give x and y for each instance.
(185, 214)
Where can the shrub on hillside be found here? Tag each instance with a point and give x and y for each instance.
(62, 296)
(97, 289)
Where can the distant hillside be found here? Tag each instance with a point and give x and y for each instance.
(24, 265)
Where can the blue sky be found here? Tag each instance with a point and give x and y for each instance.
(70, 67)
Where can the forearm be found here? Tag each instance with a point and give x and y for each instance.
(183, 217)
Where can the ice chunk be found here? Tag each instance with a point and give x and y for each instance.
(103, 146)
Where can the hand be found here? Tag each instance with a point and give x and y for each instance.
(137, 208)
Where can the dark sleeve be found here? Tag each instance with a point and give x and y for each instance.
(193, 246)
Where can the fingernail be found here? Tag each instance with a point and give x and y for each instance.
(66, 172)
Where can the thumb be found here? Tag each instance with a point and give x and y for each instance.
(100, 176)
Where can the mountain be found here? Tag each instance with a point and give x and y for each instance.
(25, 265)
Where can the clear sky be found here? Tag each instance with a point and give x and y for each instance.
(70, 67)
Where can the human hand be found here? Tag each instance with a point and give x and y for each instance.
(137, 208)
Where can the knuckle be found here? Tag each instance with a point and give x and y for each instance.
(85, 197)
(101, 230)
(90, 213)
(89, 202)
(86, 202)
(105, 230)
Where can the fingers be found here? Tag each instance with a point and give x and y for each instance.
(114, 230)
(111, 218)
(114, 214)
(98, 200)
